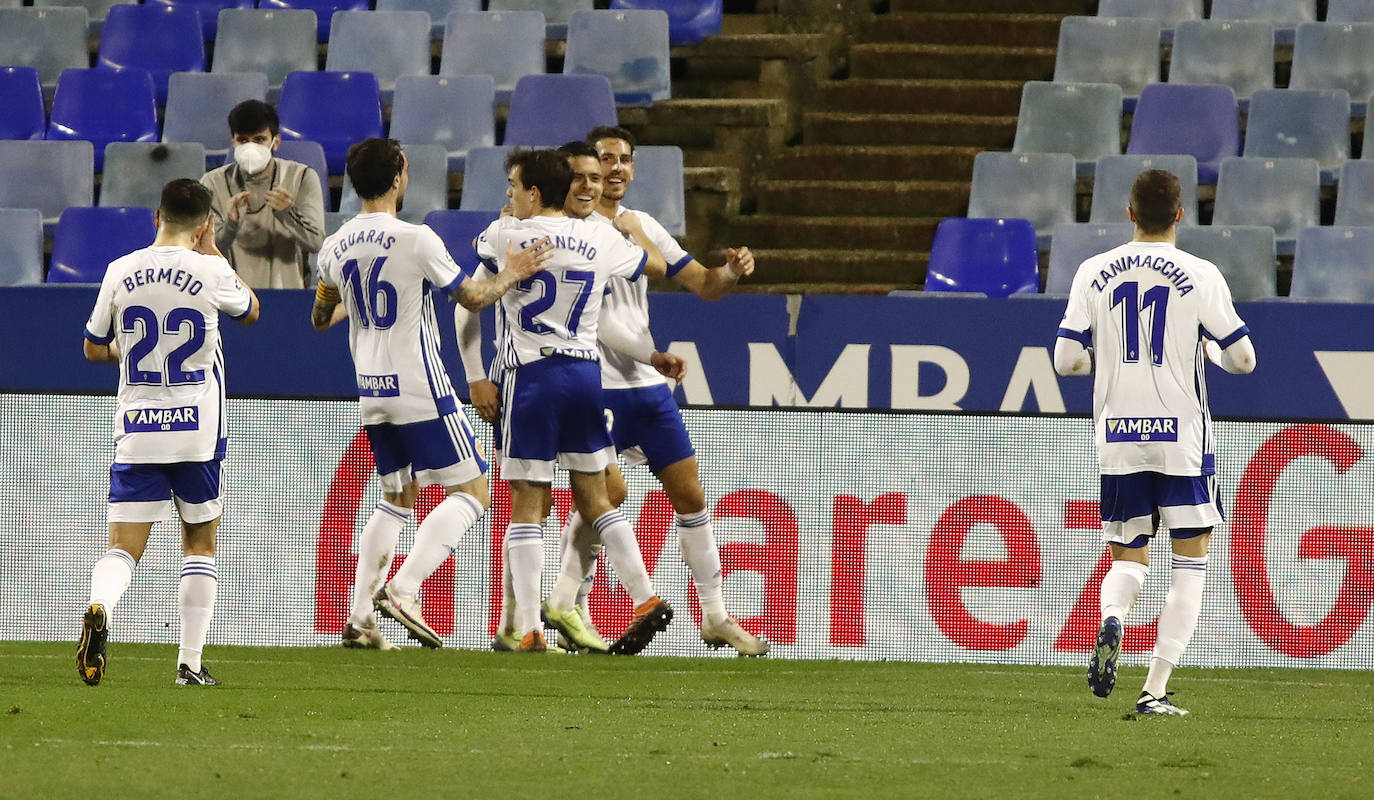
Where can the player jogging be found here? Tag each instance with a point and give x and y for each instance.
(1145, 315)
(157, 316)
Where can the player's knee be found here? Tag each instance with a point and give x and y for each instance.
(616, 489)
(479, 490)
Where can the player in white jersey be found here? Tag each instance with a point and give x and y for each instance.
(382, 270)
(157, 316)
(1146, 316)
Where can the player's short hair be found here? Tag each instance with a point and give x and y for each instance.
(1155, 199)
(545, 170)
(251, 116)
(373, 165)
(185, 203)
(610, 132)
(577, 150)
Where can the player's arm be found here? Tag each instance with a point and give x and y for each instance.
(100, 353)
(655, 266)
(1237, 358)
(713, 283)
(520, 264)
(482, 394)
(322, 316)
(616, 335)
(1071, 355)
(254, 308)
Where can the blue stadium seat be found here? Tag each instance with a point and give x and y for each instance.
(21, 246)
(1285, 15)
(48, 39)
(1283, 193)
(507, 45)
(1299, 123)
(426, 191)
(1335, 56)
(1033, 186)
(455, 112)
(335, 109)
(548, 110)
(1081, 119)
(630, 48)
(657, 189)
(1200, 121)
(996, 257)
(103, 106)
(308, 153)
(198, 105)
(45, 175)
(96, 10)
(1335, 263)
(21, 95)
(1355, 194)
(88, 239)
(389, 44)
(484, 179)
(208, 10)
(1238, 54)
(556, 12)
(1115, 175)
(1350, 11)
(1120, 50)
(458, 229)
(1076, 242)
(1244, 254)
(438, 11)
(324, 11)
(689, 21)
(160, 39)
(275, 43)
(135, 172)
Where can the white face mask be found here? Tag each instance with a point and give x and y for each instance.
(252, 157)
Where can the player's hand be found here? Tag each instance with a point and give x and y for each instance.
(669, 365)
(508, 210)
(240, 199)
(279, 199)
(485, 399)
(205, 243)
(740, 261)
(524, 263)
(628, 224)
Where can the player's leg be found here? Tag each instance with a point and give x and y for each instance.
(525, 555)
(560, 610)
(377, 542)
(1127, 525)
(197, 490)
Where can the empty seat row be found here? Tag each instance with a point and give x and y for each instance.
(1285, 14)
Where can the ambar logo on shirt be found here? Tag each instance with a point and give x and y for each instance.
(1142, 429)
(149, 420)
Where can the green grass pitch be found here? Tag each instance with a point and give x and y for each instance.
(328, 722)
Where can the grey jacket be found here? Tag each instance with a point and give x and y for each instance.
(268, 248)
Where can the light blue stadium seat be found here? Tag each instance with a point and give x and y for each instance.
(689, 21)
(657, 189)
(1244, 254)
(426, 191)
(1115, 175)
(1336, 56)
(1033, 186)
(996, 257)
(438, 10)
(88, 239)
(324, 11)
(304, 152)
(21, 95)
(1283, 193)
(507, 45)
(1120, 50)
(1237, 53)
(103, 106)
(548, 110)
(389, 44)
(453, 111)
(160, 39)
(1076, 242)
(556, 12)
(458, 229)
(208, 10)
(1299, 123)
(1081, 119)
(1200, 121)
(21, 246)
(335, 109)
(484, 179)
(1350, 11)
(46, 175)
(96, 10)
(198, 105)
(135, 172)
(275, 43)
(1335, 263)
(630, 48)
(1285, 15)
(333, 220)
(1355, 194)
(48, 39)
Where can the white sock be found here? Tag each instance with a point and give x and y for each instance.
(589, 547)
(623, 551)
(525, 555)
(1177, 621)
(579, 547)
(196, 602)
(436, 540)
(699, 550)
(1121, 586)
(376, 546)
(506, 618)
(110, 578)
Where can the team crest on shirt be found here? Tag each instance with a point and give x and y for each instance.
(152, 420)
(1142, 429)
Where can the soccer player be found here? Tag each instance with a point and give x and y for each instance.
(1145, 315)
(381, 269)
(157, 316)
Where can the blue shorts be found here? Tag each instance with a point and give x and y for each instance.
(143, 492)
(552, 411)
(440, 451)
(1130, 502)
(646, 426)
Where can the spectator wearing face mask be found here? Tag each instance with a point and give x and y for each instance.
(268, 212)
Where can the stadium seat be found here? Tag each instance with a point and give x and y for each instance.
(160, 39)
(1283, 193)
(458, 229)
(389, 44)
(1335, 263)
(1331, 56)
(426, 191)
(630, 48)
(484, 179)
(1115, 175)
(995, 257)
(333, 220)
(198, 105)
(21, 95)
(1244, 254)
(310, 154)
(453, 111)
(96, 11)
(689, 21)
(208, 10)
(103, 106)
(1081, 119)
(1238, 54)
(135, 172)
(548, 110)
(1297, 123)
(507, 45)
(1350, 11)
(21, 246)
(657, 189)
(1284, 15)
(1355, 194)
(438, 11)
(556, 12)
(1120, 50)
(1168, 13)
(335, 109)
(88, 239)
(1201, 121)
(1076, 242)
(323, 9)
(1038, 187)
(46, 175)
(275, 43)
(48, 39)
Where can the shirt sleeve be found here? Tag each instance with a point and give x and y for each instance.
(1218, 313)
(487, 251)
(230, 295)
(436, 263)
(672, 251)
(624, 258)
(1077, 322)
(100, 325)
